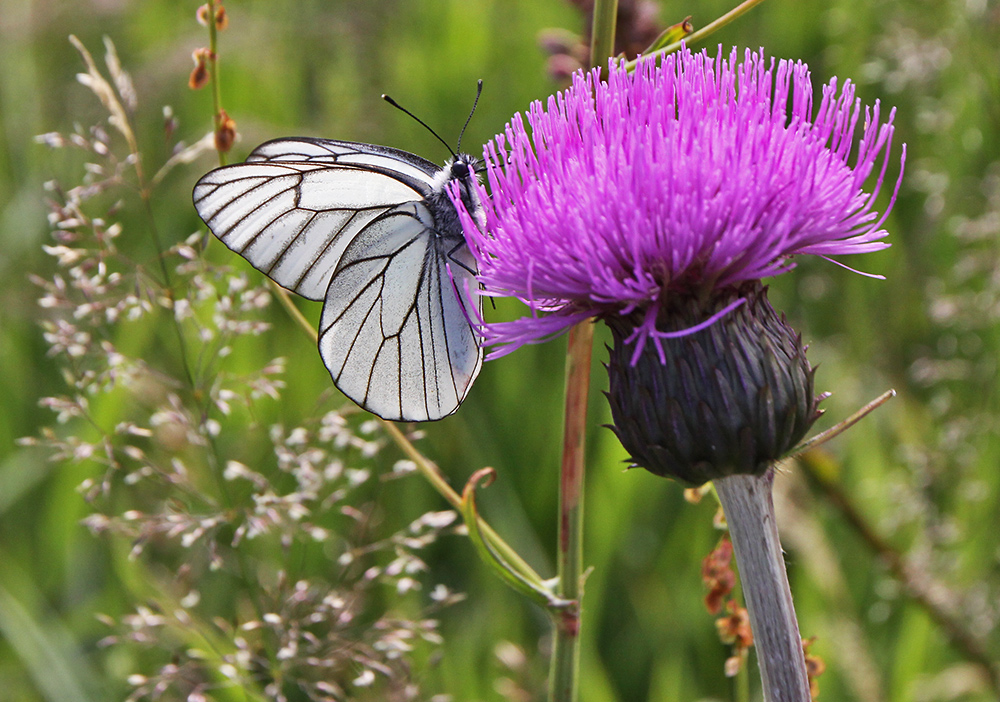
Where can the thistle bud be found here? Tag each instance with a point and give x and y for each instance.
(731, 398)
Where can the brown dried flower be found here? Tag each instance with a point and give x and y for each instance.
(221, 18)
(734, 630)
(199, 74)
(815, 666)
(717, 574)
(225, 133)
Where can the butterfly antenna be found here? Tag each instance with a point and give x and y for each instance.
(425, 125)
(479, 91)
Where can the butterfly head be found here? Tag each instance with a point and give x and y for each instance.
(461, 168)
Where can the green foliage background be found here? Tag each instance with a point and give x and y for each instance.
(922, 471)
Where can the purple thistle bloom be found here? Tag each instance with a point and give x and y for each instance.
(679, 180)
(657, 201)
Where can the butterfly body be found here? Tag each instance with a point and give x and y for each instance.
(371, 231)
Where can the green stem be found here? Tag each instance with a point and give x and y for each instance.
(742, 684)
(708, 29)
(433, 475)
(528, 583)
(565, 671)
(213, 70)
(840, 427)
(294, 312)
(602, 36)
(215, 464)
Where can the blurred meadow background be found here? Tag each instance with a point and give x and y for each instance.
(118, 573)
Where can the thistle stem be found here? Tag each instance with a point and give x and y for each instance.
(565, 671)
(602, 35)
(749, 508)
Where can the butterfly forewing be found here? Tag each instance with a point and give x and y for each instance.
(366, 229)
(417, 172)
(292, 221)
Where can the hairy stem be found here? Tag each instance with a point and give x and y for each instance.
(749, 510)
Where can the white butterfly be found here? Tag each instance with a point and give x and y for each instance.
(369, 230)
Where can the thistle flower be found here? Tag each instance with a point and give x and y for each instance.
(678, 179)
(657, 201)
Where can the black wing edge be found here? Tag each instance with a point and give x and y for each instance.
(429, 168)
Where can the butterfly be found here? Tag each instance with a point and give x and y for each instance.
(371, 231)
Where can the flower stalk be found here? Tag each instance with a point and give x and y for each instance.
(749, 508)
(564, 673)
(602, 35)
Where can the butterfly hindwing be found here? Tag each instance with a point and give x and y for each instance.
(394, 334)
